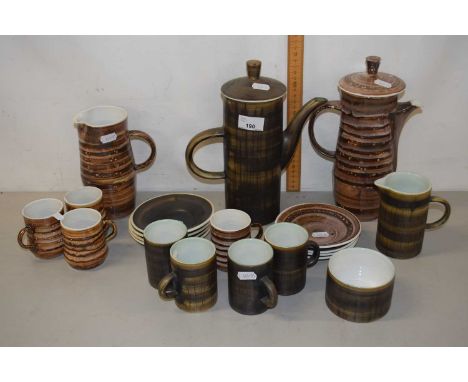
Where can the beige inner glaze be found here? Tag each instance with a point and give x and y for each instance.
(81, 219)
(193, 250)
(286, 235)
(101, 116)
(230, 220)
(405, 183)
(165, 231)
(250, 252)
(42, 208)
(83, 196)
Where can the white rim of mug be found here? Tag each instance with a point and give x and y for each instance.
(82, 205)
(423, 178)
(76, 119)
(78, 211)
(28, 205)
(238, 212)
(325, 205)
(156, 223)
(270, 232)
(242, 242)
(193, 241)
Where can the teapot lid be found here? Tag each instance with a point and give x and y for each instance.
(372, 83)
(253, 88)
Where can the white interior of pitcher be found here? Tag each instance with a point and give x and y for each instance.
(406, 183)
(250, 252)
(42, 208)
(80, 219)
(192, 250)
(286, 235)
(165, 231)
(101, 116)
(83, 196)
(230, 220)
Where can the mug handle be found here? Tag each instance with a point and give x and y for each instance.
(260, 230)
(109, 235)
(271, 300)
(445, 216)
(163, 285)
(137, 134)
(329, 106)
(313, 259)
(26, 229)
(206, 135)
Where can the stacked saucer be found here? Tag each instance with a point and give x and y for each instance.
(193, 210)
(332, 228)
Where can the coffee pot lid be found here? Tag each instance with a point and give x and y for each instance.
(372, 83)
(253, 88)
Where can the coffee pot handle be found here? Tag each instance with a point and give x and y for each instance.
(142, 136)
(445, 216)
(329, 106)
(206, 135)
(271, 299)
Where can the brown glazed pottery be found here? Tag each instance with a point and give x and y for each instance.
(85, 236)
(228, 226)
(359, 284)
(193, 280)
(42, 228)
(290, 259)
(106, 156)
(404, 206)
(250, 277)
(158, 238)
(85, 197)
(255, 147)
(367, 147)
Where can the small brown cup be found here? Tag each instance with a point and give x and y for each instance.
(359, 284)
(193, 280)
(42, 228)
(290, 243)
(228, 226)
(250, 274)
(85, 197)
(158, 237)
(85, 236)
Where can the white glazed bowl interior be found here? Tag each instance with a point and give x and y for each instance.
(81, 219)
(42, 208)
(230, 220)
(83, 196)
(250, 252)
(101, 116)
(406, 182)
(192, 250)
(286, 235)
(165, 231)
(361, 268)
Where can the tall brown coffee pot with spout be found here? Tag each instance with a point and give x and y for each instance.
(256, 148)
(367, 147)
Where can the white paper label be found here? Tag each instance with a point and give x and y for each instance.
(108, 138)
(247, 275)
(320, 234)
(250, 123)
(258, 86)
(383, 83)
(58, 216)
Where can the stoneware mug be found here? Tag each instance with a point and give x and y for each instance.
(290, 242)
(404, 206)
(158, 238)
(42, 228)
(193, 280)
(85, 236)
(228, 226)
(85, 197)
(250, 275)
(359, 284)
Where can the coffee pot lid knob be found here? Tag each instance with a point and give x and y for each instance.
(372, 63)
(253, 69)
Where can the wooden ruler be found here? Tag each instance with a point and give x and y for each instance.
(294, 102)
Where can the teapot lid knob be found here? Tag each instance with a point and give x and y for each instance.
(253, 69)
(372, 63)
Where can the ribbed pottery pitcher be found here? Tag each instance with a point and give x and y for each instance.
(106, 156)
(255, 147)
(367, 147)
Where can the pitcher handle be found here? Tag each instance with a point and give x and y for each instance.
(142, 136)
(26, 229)
(206, 135)
(314, 258)
(109, 234)
(445, 216)
(329, 106)
(271, 300)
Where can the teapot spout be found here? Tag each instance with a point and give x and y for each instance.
(400, 115)
(293, 132)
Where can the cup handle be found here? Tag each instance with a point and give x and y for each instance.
(312, 259)
(163, 286)
(329, 106)
(260, 230)
(445, 216)
(26, 229)
(271, 300)
(109, 234)
(137, 134)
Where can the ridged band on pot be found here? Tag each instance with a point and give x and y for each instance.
(42, 229)
(359, 284)
(193, 280)
(106, 156)
(404, 206)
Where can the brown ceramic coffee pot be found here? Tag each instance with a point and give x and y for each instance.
(255, 147)
(367, 147)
